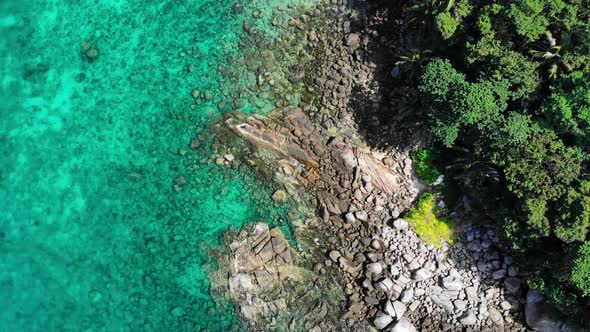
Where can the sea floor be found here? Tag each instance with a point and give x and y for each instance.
(93, 234)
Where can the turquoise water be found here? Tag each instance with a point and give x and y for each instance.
(93, 234)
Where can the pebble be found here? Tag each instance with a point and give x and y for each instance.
(361, 215)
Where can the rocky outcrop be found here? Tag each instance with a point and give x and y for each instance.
(540, 315)
(260, 261)
(261, 274)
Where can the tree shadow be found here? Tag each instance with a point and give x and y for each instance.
(388, 113)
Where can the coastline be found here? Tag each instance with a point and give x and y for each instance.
(352, 191)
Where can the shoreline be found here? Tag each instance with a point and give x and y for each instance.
(355, 190)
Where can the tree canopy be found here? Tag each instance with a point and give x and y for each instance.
(509, 85)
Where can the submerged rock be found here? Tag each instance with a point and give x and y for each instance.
(89, 51)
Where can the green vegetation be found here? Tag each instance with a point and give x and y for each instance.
(505, 90)
(581, 270)
(428, 225)
(423, 163)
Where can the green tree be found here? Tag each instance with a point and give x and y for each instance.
(455, 104)
(543, 167)
(581, 269)
(568, 107)
(528, 18)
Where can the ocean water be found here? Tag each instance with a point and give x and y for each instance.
(93, 234)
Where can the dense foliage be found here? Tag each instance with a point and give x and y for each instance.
(424, 165)
(506, 88)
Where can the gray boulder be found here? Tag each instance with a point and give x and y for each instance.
(540, 316)
(353, 40)
(512, 284)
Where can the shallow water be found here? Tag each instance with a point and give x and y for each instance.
(93, 235)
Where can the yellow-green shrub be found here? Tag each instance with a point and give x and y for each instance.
(432, 229)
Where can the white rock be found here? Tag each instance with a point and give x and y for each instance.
(451, 283)
(349, 217)
(422, 274)
(471, 292)
(241, 283)
(407, 295)
(403, 325)
(400, 309)
(375, 268)
(400, 224)
(361, 215)
(468, 318)
(382, 320)
(388, 308)
(384, 285)
(460, 305)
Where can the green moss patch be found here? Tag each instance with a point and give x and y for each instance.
(428, 225)
(423, 163)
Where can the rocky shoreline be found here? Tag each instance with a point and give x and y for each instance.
(358, 264)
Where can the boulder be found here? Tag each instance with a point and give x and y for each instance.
(540, 316)
(382, 320)
(403, 325)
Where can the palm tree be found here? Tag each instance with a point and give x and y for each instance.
(547, 50)
(424, 11)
